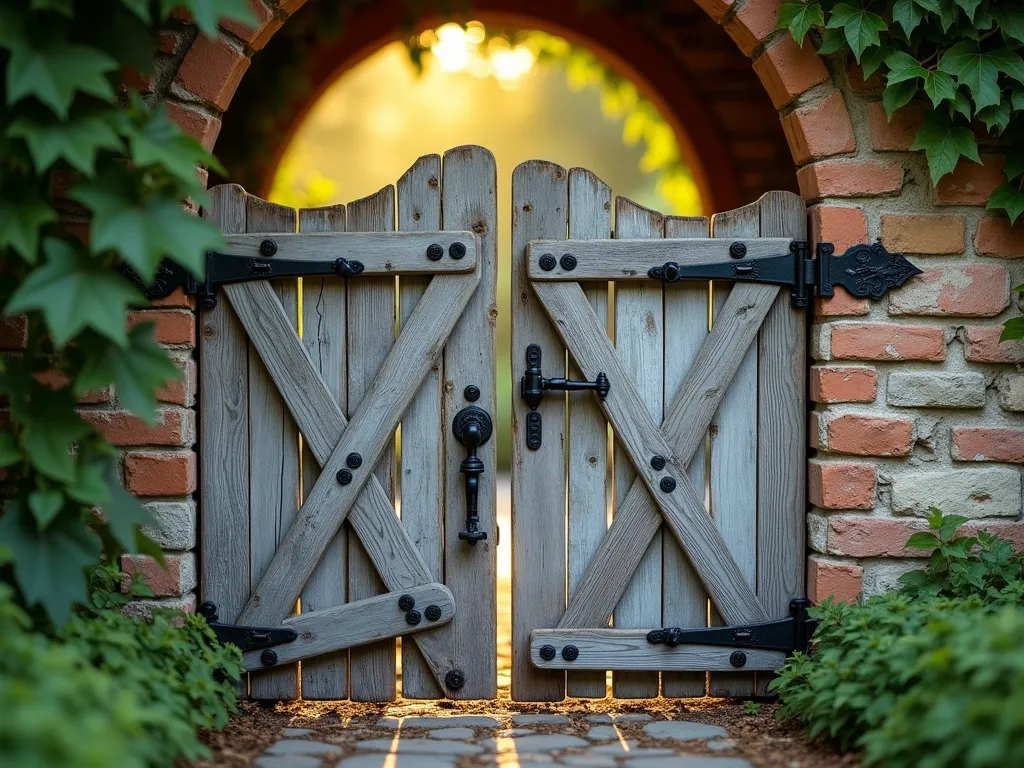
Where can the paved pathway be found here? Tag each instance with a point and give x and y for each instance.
(461, 741)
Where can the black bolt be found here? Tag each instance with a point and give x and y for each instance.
(547, 652)
(471, 393)
(738, 659)
(209, 302)
(353, 461)
(668, 484)
(268, 248)
(568, 262)
(454, 680)
(570, 653)
(406, 603)
(413, 618)
(457, 250)
(547, 262)
(268, 658)
(738, 250)
(344, 476)
(435, 252)
(658, 462)
(433, 613)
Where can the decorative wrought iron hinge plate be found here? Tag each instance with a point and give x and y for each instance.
(248, 638)
(863, 270)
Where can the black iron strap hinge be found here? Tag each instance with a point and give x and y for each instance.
(248, 638)
(863, 270)
(789, 635)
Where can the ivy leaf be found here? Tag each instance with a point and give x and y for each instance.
(873, 59)
(76, 141)
(45, 506)
(90, 485)
(55, 72)
(979, 71)
(996, 118)
(20, 222)
(123, 512)
(140, 8)
(65, 7)
(137, 370)
(939, 86)
(1017, 97)
(933, 6)
(902, 66)
(969, 7)
(49, 433)
(207, 13)
(74, 294)
(898, 95)
(1010, 20)
(832, 40)
(961, 105)
(161, 142)
(907, 14)
(944, 144)
(860, 26)
(49, 566)
(1012, 329)
(1014, 162)
(9, 453)
(799, 17)
(922, 540)
(1008, 198)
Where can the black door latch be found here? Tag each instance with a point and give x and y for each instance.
(472, 427)
(533, 385)
(248, 638)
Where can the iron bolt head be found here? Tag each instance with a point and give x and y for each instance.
(547, 262)
(738, 659)
(268, 658)
(455, 679)
(457, 250)
(344, 476)
(668, 484)
(413, 618)
(433, 612)
(547, 652)
(570, 653)
(658, 462)
(568, 262)
(471, 393)
(435, 252)
(738, 250)
(209, 302)
(406, 603)
(268, 248)
(353, 461)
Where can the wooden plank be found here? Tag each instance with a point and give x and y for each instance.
(371, 334)
(469, 190)
(733, 479)
(539, 210)
(626, 649)
(781, 432)
(423, 433)
(684, 601)
(637, 433)
(589, 218)
(640, 344)
(629, 258)
(224, 436)
(322, 633)
(324, 319)
(273, 452)
(391, 254)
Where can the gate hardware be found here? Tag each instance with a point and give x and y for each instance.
(435, 252)
(657, 463)
(668, 484)
(246, 638)
(547, 262)
(547, 652)
(412, 618)
(533, 385)
(471, 393)
(472, 427)
(863, 270)
(568, 262)
(353, 461)
(268, 658)
(433, 612)
(344, 476)
(457, 250)
(406, 603)
(738, 659)
(789, 635)
(455, 679)
(570, 653)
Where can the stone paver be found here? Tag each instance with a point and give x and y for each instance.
(619, 749)
(452, 721)
(294, 733)
(296, 747)
(721, 744)
(630, 717)
(516, 732)
(687, 761)
(588, 761)
(539, 719)
(397, 761)
(419, 747)
(537, 743)
(683, 730)
(456, 734)
(286, 761)
(602, 733)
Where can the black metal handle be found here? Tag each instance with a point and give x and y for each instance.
(472, 427)
(533, 384)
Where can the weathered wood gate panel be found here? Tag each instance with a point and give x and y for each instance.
(298, 438)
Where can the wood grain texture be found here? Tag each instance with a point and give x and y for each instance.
(781, 432)
(224, 436)
(539, 210)
(324, 320)
(469, 191)
(371, 334)
(629, 650)
(640, 345)
(322, 633)
(684, 601)
(733, 475)
(589, 218)
(423, 434)
(273, 451)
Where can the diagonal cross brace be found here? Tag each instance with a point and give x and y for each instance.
(646, 506)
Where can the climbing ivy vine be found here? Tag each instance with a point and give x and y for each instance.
(960, 57)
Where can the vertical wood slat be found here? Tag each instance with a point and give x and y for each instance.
(273, 452)
(640, 343)
(589, 218)
(371, 334)
(781, 432)
(423, 434)
(324, 332)
(469, 194)
(734, 451)
(224, 435)
(684, 600)
(539, 211)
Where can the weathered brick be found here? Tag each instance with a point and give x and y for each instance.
(212, 70)
(971, 183)
(256, 35)
(716, 9)
(143, 609)
(897, 135)
(752, 23)
(973, 290)
(203, 127)
(855, 77)
(988, 444)
(843, 384)
(183, 391)
(983, 345)
(175, 524)
(868, 435)
(1010, 389)
(819, 130)
(177, 299)
(840, 581)
(887, 341)
(923, 234)
(885, 536)
(786, 70)
(881, 576)
(172, 326)
(842, 227)
(936, 390)
(841, 304)
(997, 238)
(973, 493)
(834, 485)
(850, 178)
(175, 578)
(173, 427)
(160, 474)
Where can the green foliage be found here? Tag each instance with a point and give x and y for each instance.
(752, 707)
(962, 56)
(65, 120)
(930, 675)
